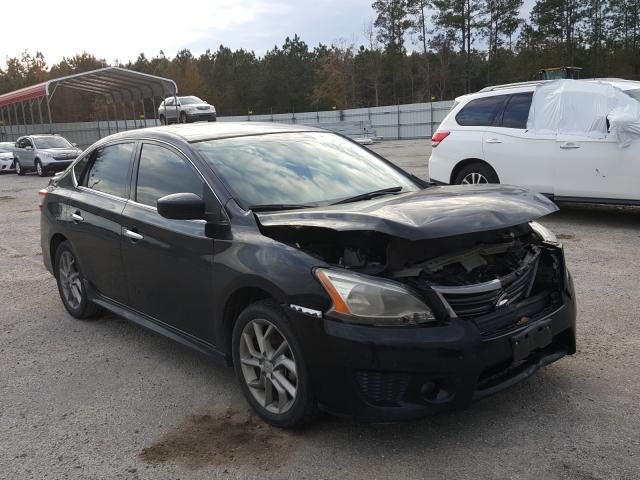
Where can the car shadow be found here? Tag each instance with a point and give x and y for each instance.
(611, 216)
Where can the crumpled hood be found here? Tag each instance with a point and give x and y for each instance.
(434, 212)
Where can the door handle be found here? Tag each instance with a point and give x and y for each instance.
(493, 140)
(134, 236)
(77, 217)
(569, 146)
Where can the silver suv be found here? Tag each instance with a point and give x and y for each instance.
(186, 110)
(44, 154)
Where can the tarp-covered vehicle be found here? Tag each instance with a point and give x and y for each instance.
(574, 140)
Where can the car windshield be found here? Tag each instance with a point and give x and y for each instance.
(190, 100)
(301, 168)
(51, 142)
(635, 93)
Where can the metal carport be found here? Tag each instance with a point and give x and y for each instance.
(120, 88)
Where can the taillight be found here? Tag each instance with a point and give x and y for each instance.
(42, 193)
(438, 137)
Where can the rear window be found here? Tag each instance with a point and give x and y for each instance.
(480, 112)
(109, 169)
(516, 112)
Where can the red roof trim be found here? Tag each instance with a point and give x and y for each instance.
(27, 93)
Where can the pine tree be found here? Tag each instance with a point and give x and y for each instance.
(463, 19)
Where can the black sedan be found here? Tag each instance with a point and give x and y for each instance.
(329, 278)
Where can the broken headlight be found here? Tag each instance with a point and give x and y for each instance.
(543, 232)
(371, 301)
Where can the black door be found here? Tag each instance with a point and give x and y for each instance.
(168, 263)
(95, 229)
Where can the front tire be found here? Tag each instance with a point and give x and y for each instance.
(163, 120)
(270, 368)
(183, 117)
(19, 169)
(41, 171)
(476, 174)
(71, 284)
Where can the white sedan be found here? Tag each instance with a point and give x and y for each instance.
(7, 160)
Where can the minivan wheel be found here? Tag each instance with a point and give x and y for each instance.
(183, 117)
(269, 366)
(19, 169)
(476, 174)
(39, 169)
(163, 121)
(71, 284)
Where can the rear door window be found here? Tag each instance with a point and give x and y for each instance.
(516, 112)
(109, 169)
(162, 172)
(481, 112)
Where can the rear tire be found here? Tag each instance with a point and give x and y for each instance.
(71, 284)
(270, 368)
(19, 169)
(163, 120)
(183, 117)
(476, 173)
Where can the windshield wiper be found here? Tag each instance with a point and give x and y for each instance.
(272, 207)
(369, 195)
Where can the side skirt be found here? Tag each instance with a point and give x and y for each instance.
(605, 201)
(156, 326)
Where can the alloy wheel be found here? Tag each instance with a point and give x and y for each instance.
(18, 168)
(70, 280)
(268, 366)
(39, 169)
(474, 178)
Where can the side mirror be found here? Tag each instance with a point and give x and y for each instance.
(74, 145)
(181, 206)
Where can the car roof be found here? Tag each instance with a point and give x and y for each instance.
(530, 86)
(197, 132)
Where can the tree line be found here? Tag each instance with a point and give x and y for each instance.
(415, 51)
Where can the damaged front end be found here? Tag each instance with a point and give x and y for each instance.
(500, 279)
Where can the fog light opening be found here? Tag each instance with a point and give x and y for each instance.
(427, 390)
(434, 391)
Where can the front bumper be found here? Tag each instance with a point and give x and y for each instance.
(56, 165)
(391, 374)
(7, 166)
(205, 116)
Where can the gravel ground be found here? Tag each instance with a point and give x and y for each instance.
(106, 399)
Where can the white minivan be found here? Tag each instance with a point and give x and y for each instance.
(484, 139)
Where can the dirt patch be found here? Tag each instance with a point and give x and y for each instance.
(565, 236)
(4, 198)
(229, 439)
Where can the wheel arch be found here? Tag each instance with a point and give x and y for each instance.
(236, 302)
(468, 161)
(54, 243)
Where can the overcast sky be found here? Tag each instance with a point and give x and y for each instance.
(121, 29)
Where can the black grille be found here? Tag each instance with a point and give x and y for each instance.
(468, 303)
(382, 389)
